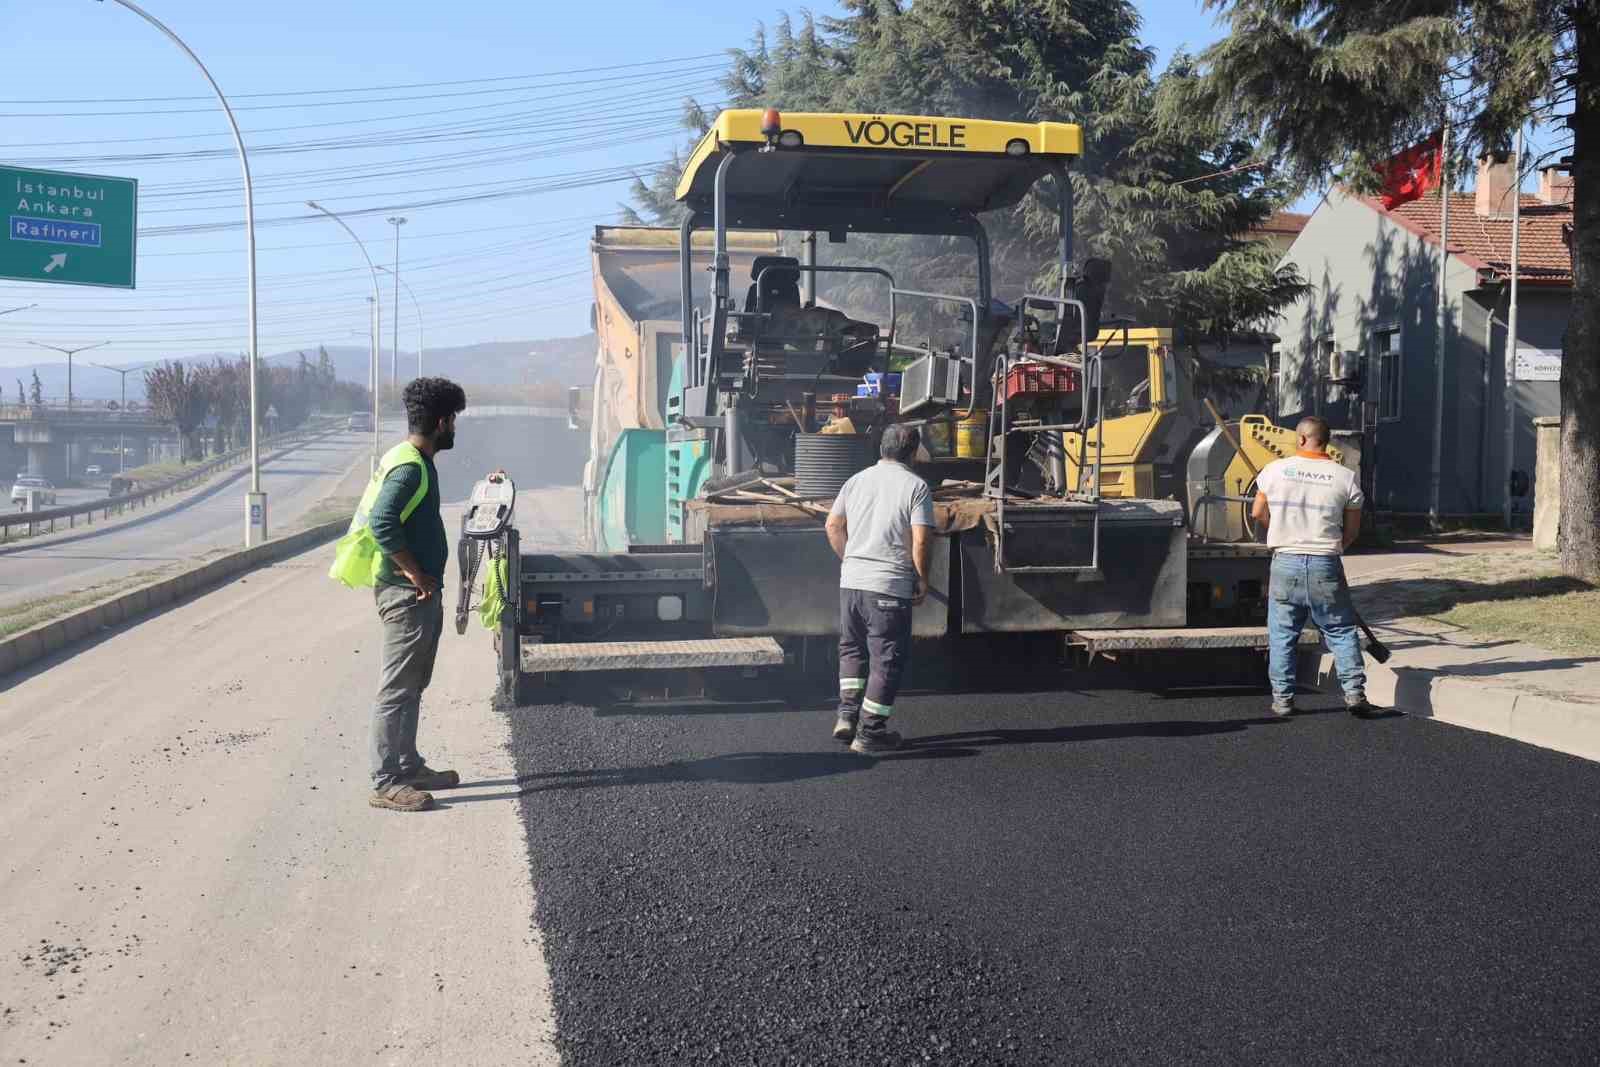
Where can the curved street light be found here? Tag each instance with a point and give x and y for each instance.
(255, 506)
(377, 322)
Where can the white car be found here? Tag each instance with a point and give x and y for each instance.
(44, 492)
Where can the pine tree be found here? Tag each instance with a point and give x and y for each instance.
(37, 392)
(1332, 86)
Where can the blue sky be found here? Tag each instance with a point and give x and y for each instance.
(504, 268)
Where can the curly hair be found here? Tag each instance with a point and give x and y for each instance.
(429, 400)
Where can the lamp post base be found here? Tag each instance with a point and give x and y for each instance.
(255, 519)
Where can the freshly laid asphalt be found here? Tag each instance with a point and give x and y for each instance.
(1070, 872)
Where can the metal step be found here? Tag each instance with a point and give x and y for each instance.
(539, 657)
(1181, 637)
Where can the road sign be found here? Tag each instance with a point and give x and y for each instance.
(71, 229)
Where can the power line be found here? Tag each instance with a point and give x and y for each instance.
(370, 88)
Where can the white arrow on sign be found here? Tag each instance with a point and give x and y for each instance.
(57, 260)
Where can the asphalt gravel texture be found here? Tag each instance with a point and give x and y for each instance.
(1068, 871)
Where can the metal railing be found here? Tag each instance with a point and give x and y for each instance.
(116, 505)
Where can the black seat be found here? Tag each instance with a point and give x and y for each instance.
(780, 288)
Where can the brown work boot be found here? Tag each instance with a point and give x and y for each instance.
(426, 777)
(400, 796)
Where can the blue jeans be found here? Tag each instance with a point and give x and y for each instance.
(1312, 587)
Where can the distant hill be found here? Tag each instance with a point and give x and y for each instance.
(559, 361)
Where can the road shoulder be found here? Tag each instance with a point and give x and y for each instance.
(197, 873)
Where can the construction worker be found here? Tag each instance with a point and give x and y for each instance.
(410, 536)
(880, 527)
(1311, 507)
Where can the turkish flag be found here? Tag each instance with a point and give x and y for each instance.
(1416, 171)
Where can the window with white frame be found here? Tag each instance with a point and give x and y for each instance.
(1387, 365)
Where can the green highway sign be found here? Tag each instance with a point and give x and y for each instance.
(71, 229)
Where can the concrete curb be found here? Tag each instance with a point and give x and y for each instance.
(47, 638)
(1568, 726)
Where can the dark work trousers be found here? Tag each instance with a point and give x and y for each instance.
(874, 644)
(411, 630)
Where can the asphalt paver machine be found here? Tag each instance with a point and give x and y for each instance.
(1011, 401)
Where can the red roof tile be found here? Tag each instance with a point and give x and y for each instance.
(1485, 243)
(1284, 222)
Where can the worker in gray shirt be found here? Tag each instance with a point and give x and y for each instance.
(881, 528)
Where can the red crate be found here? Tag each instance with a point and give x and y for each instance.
(1040, 379)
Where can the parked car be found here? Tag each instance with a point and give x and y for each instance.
(92, 471)
(360, 422)
(44, 492)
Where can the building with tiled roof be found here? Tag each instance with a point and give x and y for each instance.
(1361, 350)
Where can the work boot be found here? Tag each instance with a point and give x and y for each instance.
(1283, 709)
(844, 727)
(874, 737)
(400, 796)
(426, 777)
(1360, 708)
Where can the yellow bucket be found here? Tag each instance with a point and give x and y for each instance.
(972, 435)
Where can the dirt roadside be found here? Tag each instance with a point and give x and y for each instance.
(192, 873)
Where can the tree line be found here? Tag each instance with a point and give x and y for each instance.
(215, 396)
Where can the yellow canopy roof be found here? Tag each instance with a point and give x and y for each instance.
(891, 162)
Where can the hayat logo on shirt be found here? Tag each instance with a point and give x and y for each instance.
(1300, 474)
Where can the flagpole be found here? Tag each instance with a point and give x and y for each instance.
(1435, 476)
(1511, 334)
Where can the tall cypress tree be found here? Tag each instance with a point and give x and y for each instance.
(1333, 86)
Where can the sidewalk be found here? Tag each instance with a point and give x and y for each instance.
(1451, 612)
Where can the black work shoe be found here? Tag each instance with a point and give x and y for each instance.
(427, 778)
(1363, 710)
(844, 727)
(874, 737)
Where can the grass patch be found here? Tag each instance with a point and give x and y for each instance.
(154, 473)
(26, 614)
(1505, 596)
(331, 509)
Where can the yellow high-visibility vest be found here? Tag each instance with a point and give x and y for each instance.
(357, 558)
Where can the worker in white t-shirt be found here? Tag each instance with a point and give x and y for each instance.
(1311, 507)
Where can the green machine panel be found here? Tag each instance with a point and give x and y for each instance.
(633, 493)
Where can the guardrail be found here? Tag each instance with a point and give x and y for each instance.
(117, 504)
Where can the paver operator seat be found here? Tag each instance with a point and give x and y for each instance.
(775, 318)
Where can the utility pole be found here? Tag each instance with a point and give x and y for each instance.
(1511, 332)
(255, 501)
(1436, 471)
(122, 410)
(377, 322)
(418, 309)
(69, 352)
(396, 221)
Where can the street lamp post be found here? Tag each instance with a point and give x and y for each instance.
(69, 353)
(377, 322)
(396, 221)
(122, 410)
(255, 501)
(418, 309)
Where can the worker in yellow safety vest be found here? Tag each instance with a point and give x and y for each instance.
(397, 546)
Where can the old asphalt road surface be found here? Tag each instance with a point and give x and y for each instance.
(190, 872)
(1059, 876)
